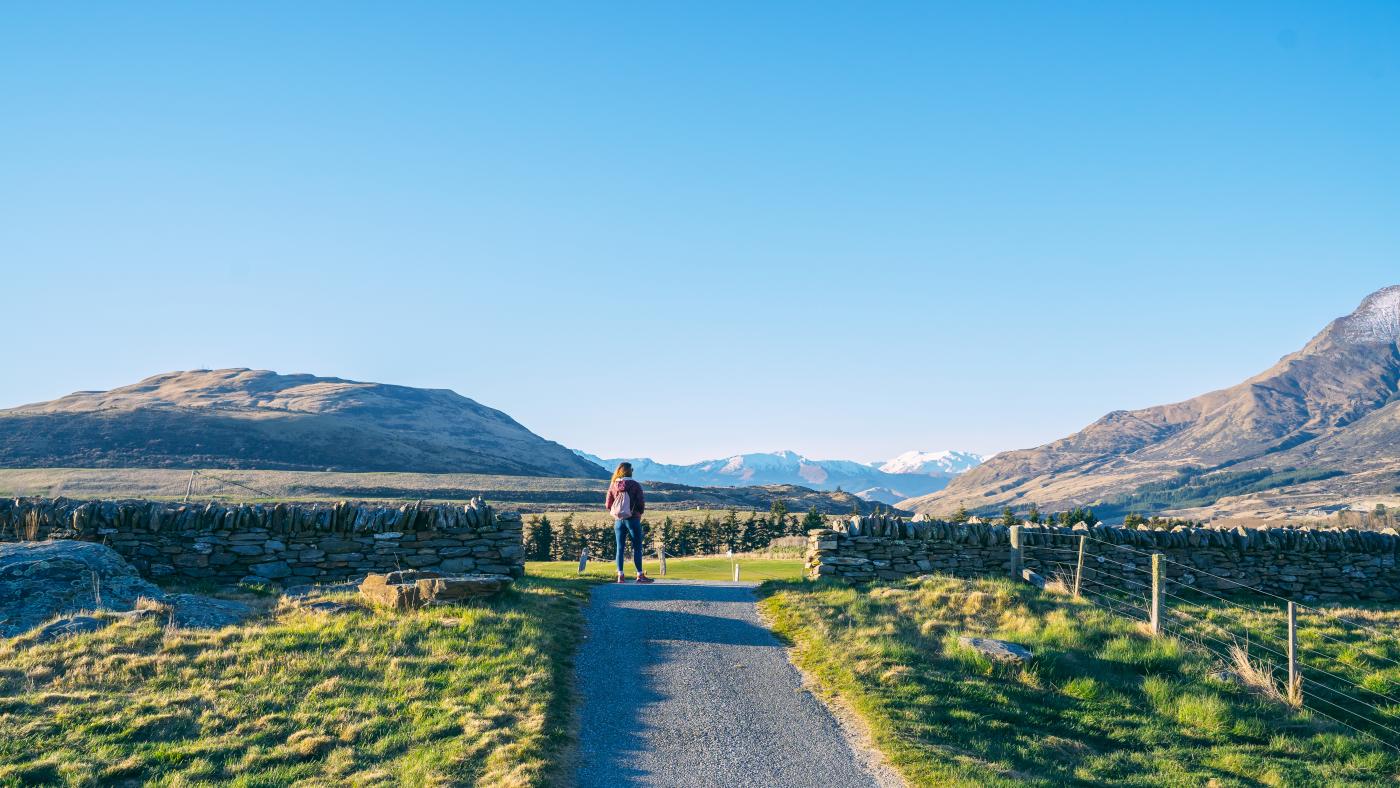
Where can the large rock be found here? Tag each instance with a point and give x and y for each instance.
(47, 583)
(42, 580)
(411, 589)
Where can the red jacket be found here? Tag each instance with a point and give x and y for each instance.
(634, 491)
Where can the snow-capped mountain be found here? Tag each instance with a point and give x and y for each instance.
(886, 482)
(932, 463)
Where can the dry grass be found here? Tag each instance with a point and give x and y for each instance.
(1258, 675)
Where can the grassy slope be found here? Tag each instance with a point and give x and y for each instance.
(679, 569)
(464, 694)
(1101, 703)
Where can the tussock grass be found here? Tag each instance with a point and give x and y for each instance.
(1102, 702)
(456, 695)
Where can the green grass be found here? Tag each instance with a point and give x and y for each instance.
(598, 518)
(1349, 672)
(717, 568)
(1101, 703)
(463, 694)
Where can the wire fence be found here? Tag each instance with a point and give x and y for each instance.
(1328, 665)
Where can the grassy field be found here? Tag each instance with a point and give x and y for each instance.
(1101, 703)
(598, 518)
(523, 493)
(462, 695)
(708, 568)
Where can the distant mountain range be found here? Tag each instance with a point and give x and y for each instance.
(1318, 431)
(244, 418)
(910, 474)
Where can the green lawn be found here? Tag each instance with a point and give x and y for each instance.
(463, 694)
(1101, 703)
(719, 568)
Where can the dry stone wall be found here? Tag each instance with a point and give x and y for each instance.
(1303, 564)
(285, 543)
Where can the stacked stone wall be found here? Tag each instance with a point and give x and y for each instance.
(1297, 563)
(284, 542)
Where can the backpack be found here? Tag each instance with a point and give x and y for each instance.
(622, 504)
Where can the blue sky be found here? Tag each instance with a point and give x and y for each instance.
(693, 229)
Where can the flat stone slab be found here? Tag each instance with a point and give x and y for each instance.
(411, 588)
(997, 650)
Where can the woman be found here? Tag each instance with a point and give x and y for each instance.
(626, 503)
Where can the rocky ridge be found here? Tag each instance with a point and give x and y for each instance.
(1333, 406)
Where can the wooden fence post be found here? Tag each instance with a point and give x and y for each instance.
(1156, 617)
(1295, 680)
(1016, 552)
(583, 560)
(1079, 566)
(661, 556)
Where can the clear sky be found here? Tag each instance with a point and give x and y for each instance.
(687, 230)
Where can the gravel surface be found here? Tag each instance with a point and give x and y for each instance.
(682, 685)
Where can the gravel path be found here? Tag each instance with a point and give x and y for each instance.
(682, 685)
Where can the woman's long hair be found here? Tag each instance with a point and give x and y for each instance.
(623, 469)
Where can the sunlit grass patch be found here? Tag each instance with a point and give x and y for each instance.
(464, 694)
(1100, 702)
(696, 568)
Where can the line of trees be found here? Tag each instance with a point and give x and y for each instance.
(562, 539)
(1033, 515)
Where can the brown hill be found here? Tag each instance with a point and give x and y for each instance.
(241, 418)
(1323, 423)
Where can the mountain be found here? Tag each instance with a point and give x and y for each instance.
(932, 463)
(914, 473)
(242, 418)
(1321, 428)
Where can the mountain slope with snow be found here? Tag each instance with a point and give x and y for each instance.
(927, 471)
(929, 463)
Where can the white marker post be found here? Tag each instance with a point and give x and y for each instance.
(736, 572)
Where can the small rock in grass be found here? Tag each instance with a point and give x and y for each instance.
(297, 592)
(76, 625)
(193, 611)
(997, 650)
(328, 607)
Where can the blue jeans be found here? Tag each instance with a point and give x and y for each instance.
(621, 529)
